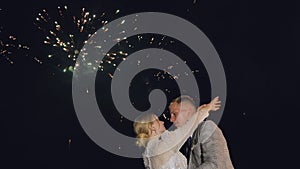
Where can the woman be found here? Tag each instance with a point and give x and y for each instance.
(162, 146)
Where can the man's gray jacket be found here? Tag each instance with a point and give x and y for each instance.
(209, 148)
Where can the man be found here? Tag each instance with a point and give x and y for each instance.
(208, 149)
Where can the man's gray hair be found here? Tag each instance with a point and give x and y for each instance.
(184, 98)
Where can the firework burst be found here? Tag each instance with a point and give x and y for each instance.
(65, 34)
(11, 48)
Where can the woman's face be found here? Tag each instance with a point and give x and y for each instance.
(158, 125)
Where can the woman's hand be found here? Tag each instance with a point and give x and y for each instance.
(214, 105)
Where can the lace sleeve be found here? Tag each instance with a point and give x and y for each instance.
(173, 140)
(146, 159)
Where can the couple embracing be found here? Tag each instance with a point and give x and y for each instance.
(194, 144)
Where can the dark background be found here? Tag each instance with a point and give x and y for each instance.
(256, 40)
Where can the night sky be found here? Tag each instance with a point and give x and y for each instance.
(256, 42)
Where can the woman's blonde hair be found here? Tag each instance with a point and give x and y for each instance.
(141, 127)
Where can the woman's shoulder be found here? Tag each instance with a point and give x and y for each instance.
(164, 135)
(157, 145)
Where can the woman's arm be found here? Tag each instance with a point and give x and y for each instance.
(190, 126)
(214, 105)
(175, 139)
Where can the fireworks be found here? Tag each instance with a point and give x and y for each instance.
(10, 47)
(65, 33)
(69, 143)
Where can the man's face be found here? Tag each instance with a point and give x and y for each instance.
(180, 113)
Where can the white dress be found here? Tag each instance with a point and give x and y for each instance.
(162, 152)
